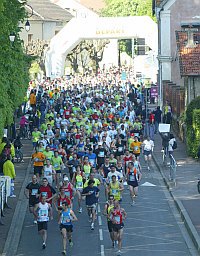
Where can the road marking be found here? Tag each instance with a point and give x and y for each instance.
(101, 234)
(100, 220)
(148, 184)
(102, 250)
(99, 209)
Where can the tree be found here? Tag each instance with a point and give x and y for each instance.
(14, 64)
(115, 8)
(124, 8)
(88, 51)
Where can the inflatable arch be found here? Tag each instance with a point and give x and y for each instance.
(79, 29)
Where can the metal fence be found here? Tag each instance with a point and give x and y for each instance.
(5, 185)
(173, 165)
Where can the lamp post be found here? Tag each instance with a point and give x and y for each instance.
(12, 37)
(27, 24)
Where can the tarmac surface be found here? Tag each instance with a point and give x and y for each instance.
(153, 226)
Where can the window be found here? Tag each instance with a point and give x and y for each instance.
(30, 37)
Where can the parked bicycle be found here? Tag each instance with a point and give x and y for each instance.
(18, 155)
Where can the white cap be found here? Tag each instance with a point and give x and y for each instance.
(100, 143)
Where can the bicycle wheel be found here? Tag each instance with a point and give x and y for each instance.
(29, 135)
(18, 156)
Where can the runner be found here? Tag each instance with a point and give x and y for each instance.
(38, 158)
(58, 165)
(77, 181)
(32, 193)
(67, 216)
(92, 193)
(47, 190)
(42, 214)
(133, 177)
(49, 172)
(107, 208)
(117, 215)
(115, 188)
(148, 146)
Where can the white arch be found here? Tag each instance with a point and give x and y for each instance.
(79, 29)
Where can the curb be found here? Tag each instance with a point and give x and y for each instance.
(181, 209)
(14, 234)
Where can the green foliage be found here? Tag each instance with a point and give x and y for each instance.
(14, 64)
(124, 8)
(193, 126)
(115, 8)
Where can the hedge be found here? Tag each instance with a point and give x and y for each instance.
(193, 127)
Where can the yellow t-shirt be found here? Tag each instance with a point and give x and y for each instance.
(135, 146)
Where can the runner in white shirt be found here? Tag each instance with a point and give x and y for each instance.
(49, 172)
(147, 149)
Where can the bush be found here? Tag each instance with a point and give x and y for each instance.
(193, 127)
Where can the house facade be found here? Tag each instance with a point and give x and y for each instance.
(46, 20)
(179, 51)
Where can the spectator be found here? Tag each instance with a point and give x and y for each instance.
(9, 170)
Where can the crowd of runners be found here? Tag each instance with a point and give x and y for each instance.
(88, 135)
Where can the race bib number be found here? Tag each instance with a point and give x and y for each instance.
(132, 178)
(117, 219)
(34, 192)
(136, 148)
(67, 193)
(114, 191)
(44, 194)
(79, 184)
(120, 149)
(43, 213)
(101, 154)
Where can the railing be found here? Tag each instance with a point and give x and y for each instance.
(5, 185)
(173, 165)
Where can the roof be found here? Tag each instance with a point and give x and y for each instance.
(45, 10)
(95, 5)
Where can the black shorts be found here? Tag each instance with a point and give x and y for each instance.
(42, 225)
(32, 203)
(133, 183)
(136, 154)
(110, 226)
(147, 152)
(117, 227)
(69, 228)
(58, 171)
(38, 170)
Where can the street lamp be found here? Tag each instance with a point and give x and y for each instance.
(27, 26)
(12, 37)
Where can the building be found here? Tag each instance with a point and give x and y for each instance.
(46, 19)
(179, 51)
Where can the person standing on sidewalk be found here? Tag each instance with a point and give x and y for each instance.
(67, 216)
(9, 170)
(158, 116)
(32, 193)
(42, 214)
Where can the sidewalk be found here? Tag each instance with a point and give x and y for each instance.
(21, 171)
(185, 192)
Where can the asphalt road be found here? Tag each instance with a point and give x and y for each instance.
(153, 227)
